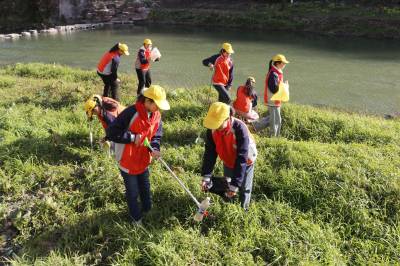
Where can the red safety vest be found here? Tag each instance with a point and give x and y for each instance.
(221, 70)
(243, 102)
(135, 159)
(267, 93)
(104, 66)
(138, 64)
(225, 144)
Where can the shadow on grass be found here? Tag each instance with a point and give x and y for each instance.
(106, 235)
(55, 149)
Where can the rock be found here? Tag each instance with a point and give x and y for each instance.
(14, 36)
(26, 34)
(61, 28)
(33, 32)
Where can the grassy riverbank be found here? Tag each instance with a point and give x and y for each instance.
(336, 20)
(328, 192)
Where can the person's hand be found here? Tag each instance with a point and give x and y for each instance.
(156, 154)
(211, 66)
(205, 184)
(228, 88)
(230, 194)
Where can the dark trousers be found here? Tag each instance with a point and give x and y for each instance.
(223, 94)
(110, 86)
(137, 186)
(144, 80)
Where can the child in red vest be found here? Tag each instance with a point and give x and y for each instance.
(129, 130)
(222, 64)
(273, 80)
(107, 69)
(246, 100)
(230, 140)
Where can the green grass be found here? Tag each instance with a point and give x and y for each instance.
(351, 20)
(327, 192)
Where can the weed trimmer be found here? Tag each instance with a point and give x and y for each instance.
(202, 207)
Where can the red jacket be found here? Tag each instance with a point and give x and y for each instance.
(143, 59)
(135, 159)
(243, 102)
(104, 66)
(222, 71)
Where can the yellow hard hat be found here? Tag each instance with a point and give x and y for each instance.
(216, 115)
(228, 48)
(158, 95)
(280, 58)
(147, 41)
(91, 103)
(252, 79)
(123, 48)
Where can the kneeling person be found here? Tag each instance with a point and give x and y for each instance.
(230, 140)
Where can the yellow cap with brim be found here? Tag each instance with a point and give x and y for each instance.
(123, 48)
(280, 58)
(217, 114)
(158, 95)
(228, 48)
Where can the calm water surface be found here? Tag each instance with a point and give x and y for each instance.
(348, 73)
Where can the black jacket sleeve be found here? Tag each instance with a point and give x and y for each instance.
(155, 142)
(273, 83)
(210, 155)
(242, 148)
(114, 67)
(210, 59)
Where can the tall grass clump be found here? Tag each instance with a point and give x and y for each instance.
(326, 193)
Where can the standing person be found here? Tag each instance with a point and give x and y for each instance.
(273, 81)
(246, 100)
(222, 64)
(107, 69)
(136, 123)
(230, 139)
(142, 66)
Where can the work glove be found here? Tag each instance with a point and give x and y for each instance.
(206, 183)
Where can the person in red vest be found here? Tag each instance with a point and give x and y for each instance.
(230, 140)
(106, 109)
(142, 65)
(273, 80)
(128, 131)
(246, 100)
(107, 69)
(222, 64)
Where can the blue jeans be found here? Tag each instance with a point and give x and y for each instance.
(247, 185)
(137, 185)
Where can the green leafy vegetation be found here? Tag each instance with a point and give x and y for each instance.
(327, 192)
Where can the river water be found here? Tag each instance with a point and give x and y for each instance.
(354, 74)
